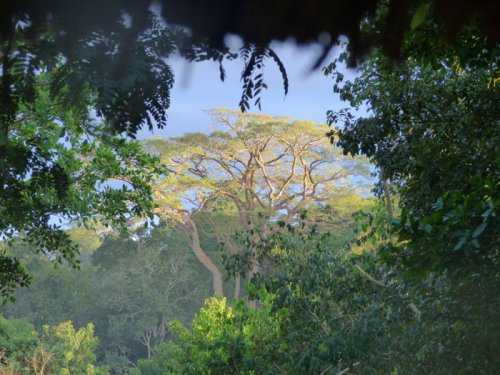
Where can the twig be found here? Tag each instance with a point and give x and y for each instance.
(379, 283)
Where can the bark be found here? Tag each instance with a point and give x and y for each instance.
(387, 193)
(237, 286)
(255, 268)
(191, 232)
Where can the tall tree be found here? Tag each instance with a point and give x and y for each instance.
(262, 166)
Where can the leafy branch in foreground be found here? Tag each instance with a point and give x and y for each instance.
(253, 74)
(54, 171)
(432, 129)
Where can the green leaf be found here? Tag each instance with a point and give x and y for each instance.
(420, 15)
(480, 229)
(460, 244)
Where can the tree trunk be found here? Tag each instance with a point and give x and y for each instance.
(257, 241)
(252, 303)
(191, 232)
(387, 193)
(237, 286)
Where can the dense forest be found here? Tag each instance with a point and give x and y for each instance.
(271, 245)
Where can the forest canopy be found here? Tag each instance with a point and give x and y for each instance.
(249, 250)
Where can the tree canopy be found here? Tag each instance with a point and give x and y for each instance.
(409, 285)
(58, 349)
(254, 168)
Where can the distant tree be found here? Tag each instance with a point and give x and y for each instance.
(58, 349)
(261, 166)
(72, 350)
(18, 341)
(144, 284)
(129, 286)
(72, 295)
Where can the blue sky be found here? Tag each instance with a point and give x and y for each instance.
(198, 87)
